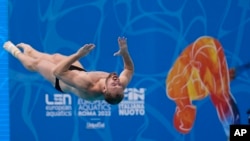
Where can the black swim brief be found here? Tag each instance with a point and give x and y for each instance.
(72, 67)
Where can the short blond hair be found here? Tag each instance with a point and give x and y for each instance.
(113, 99)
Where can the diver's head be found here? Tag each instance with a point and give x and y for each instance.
(114, 91)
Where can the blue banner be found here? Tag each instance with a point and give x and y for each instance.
(4, 96)
(158, 32)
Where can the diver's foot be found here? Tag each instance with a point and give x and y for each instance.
(11, 48)
(27, 49)
(184, 118)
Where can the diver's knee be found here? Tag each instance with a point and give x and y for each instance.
(57, 56)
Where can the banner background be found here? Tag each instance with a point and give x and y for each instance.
(4, 96)
(157, 32)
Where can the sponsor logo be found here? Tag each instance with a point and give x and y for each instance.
(58, 105)
(95, 108)
(95, 125)
(133, 102)
(58, 99)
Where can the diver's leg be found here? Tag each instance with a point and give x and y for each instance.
(28, 62)
(53, 58)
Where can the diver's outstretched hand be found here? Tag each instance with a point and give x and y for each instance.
(85, 49)
(122, 41)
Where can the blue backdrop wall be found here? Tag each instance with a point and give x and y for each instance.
(157, 32)
(4, 97)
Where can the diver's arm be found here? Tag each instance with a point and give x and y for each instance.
(128, 71)
(64, 65)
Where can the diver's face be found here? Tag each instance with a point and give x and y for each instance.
(113, 83)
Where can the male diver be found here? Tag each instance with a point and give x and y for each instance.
(68, 75)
